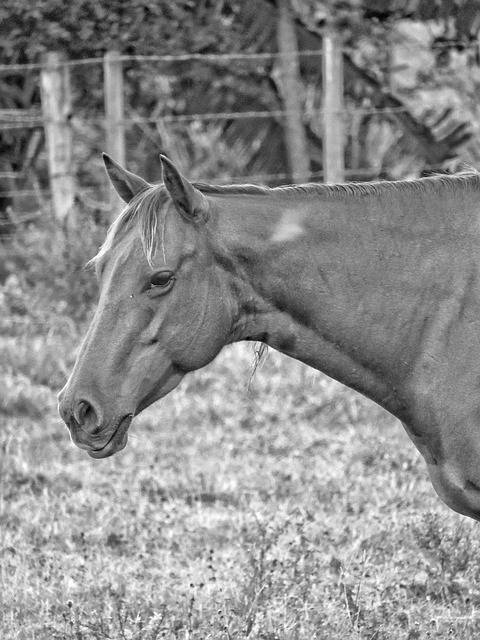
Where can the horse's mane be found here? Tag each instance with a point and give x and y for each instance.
(350, 189)
(143, 209)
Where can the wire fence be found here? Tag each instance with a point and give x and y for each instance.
(26, 194)
(15, 124)
(228, 57)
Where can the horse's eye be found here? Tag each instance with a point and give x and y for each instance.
(161, 279)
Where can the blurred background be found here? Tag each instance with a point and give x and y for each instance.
(264, 91)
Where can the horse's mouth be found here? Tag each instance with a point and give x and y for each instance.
(116, 443)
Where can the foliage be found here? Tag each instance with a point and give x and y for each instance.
(91, 27)
(44, 271)
(458, 19)
(87, 30)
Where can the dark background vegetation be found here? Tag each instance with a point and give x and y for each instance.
(296, 509)
(411, 72)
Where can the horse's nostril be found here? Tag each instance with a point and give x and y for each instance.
(85, 415)
(81, 408)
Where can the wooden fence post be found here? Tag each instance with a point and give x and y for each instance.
(56, 100)
(298, 160)
(114, 114)
(333, 129)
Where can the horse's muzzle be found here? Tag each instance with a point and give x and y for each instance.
(89, 432)
(104, 443)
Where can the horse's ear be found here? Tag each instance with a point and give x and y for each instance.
(126, 184)
(189, 202)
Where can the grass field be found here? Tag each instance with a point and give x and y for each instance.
(293, 510)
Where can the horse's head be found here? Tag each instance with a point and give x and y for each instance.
(163, 309)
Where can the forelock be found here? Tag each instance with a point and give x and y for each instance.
(143, 212)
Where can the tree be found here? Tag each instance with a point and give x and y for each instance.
(89, 28)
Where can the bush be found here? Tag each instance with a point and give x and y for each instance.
(45, 274)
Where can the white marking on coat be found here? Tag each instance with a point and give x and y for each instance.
(289, 228)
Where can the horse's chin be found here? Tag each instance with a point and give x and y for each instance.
(117, 442)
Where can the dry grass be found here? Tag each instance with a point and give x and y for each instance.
(295, 510)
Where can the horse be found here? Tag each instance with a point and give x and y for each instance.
(375, 284)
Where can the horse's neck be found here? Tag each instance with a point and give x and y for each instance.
(340, 286)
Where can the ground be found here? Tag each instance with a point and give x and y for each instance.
(292, 509)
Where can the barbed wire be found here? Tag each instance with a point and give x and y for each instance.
(366, 172)
(44, 192)
(187, 57)
(226, 57)
(38, 66)
(10, 120)
(192, 117)
(261, 114)
(257, 177)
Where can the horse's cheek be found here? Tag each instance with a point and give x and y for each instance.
(205, 333)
